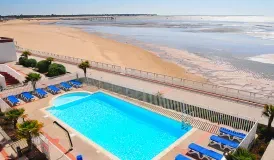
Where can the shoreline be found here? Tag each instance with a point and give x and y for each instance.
(80, 44)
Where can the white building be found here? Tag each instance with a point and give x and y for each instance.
(7, 50)
(8, 76)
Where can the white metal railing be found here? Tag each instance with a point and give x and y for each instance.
(12, 72)
(220, 117)
(205, 88)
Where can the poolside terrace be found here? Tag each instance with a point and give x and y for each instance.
(200, 134)
(35, 110)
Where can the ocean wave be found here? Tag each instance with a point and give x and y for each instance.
(261, 34)
(218, 30)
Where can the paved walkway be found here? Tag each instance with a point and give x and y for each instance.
(181, 95)
(269, 154)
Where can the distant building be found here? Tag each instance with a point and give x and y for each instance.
(7, 50)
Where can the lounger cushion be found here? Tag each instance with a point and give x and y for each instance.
(27, 95)
(53, 88)
(41, 92)
(13, 99)
(76, 82)
(65, 85)
(232, 133)
(224, 141)
(205, 151)
(181, 157)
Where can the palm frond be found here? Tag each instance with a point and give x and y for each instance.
(31, 126)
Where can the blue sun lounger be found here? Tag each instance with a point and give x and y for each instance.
(203, 152)
(26, 96)
(13, 100)
(181, 157)
(41, 93)
(223, 143)
(75, 83)
(65, 86)
(232, 135)
(53, 89)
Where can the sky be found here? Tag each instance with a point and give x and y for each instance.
(161, 7)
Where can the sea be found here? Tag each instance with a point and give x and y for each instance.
(242, 44)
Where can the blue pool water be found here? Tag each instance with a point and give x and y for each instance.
(124, 129)
(69, 97)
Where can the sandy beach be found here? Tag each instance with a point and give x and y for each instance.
(77, 43)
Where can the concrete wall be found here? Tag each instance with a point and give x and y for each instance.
(12, 72)
(2, 81)
(7, 52)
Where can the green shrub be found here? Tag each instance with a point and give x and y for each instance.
(262, 149)
(43, 66)
(30, 63)
(241, 154)
(56, 70)
(261, 131)
(22, 60)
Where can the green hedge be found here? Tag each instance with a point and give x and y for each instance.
(56, 70)
(30, 63)
(43, 66)
(22, 60)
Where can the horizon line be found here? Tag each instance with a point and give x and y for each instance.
(120, 14)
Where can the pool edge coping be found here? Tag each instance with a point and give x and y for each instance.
(174, 144)
(59, 95)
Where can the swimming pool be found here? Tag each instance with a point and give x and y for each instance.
(69, 97)
(124, 129)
